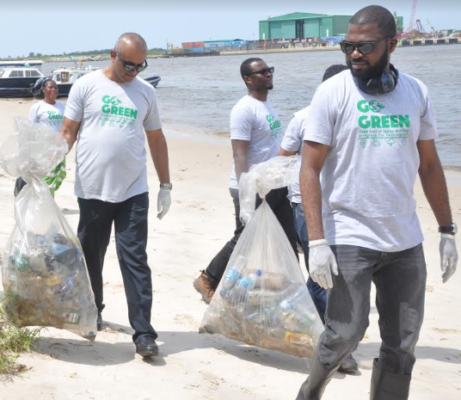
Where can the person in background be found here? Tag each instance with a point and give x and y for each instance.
(292, 144)
(256, 134)
(48, 112)
(110, 113)
(370, 131)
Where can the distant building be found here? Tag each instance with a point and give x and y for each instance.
(303, 26)
(306, 26)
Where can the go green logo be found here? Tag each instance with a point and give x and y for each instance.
(373, 105)
(111, 106)
(273, 123)
(381, 120)
(54, 115)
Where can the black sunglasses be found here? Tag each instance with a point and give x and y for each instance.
(130, 67)
(362, 47)
(263, 71)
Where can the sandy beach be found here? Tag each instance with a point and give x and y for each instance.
(192, 366)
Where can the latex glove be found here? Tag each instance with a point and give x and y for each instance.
(322, 263)
(163, 202)
(448, 256)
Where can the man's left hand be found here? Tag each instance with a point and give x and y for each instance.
(163, 202)
(448, 256)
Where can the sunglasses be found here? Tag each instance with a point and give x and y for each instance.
(130, 67)
(362, 47)
(263, 71)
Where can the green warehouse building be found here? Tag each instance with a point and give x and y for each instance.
(303, 26)
(307, 26)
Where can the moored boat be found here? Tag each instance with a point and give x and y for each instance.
(15, 82)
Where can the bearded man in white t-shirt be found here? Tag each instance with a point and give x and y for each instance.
(370, 131)
(109, 113)
(256, 134)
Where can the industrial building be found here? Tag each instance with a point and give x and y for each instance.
(306, 26)
(303, 26)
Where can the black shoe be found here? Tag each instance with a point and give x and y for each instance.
(99, 322)
(146, 346)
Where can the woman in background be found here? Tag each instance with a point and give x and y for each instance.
(48, 112)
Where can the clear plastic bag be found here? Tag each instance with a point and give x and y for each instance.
(276, 173)
(44, 275)
(262, 298)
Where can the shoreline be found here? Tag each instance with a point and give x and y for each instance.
(106, 57)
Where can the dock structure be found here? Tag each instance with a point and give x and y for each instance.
(428, 42)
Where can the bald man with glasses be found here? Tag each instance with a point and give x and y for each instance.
(109, 113)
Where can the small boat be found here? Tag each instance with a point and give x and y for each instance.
(65, 77)
(15, 82)
(153, 80)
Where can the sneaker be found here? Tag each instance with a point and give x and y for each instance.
(99, 322)
(205, 287)
(349, 365)
(146, 346)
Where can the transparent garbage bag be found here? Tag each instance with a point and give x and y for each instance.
(44, 275)
(262, 298)
(276, 173)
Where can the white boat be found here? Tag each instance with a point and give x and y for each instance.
(65, 77)
(17, 81)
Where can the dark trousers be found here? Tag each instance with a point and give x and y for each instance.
(280, 205)
(400, 280)
(318, 293)
(130, 222)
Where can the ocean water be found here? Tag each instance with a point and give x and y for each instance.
(196, 95)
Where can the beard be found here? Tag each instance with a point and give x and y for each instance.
(371, 71)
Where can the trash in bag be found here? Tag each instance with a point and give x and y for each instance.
(262, 298)
(276, 173)
(44, 274)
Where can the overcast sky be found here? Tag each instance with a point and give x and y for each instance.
(55, 27)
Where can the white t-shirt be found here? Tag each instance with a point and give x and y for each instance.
(50, 115)
(371, 167)
(258, 123)
(293, 142)
(111, 153)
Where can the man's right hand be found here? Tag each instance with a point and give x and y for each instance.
(322, 263)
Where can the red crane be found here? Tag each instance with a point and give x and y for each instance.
(413, 14)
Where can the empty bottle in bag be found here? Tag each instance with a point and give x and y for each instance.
(245, 284)
(233, 274)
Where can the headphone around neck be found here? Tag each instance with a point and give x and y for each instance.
(385, 83)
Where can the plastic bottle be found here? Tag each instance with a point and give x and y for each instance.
(233, 272)
(245, 284)
(230, 277)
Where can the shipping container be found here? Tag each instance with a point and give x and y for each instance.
(195, 50)
(186, 45)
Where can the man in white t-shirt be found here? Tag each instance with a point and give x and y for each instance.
(256, 134)
(292, 144)
(109, 113)
(369, 133)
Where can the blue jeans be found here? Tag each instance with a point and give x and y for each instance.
(318, 293)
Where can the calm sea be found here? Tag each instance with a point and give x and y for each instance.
(197, 94)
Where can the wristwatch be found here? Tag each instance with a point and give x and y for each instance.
(450, 228)
(166, 186)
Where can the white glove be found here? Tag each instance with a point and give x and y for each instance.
(322, 263)
(163, 202)
(448, 256)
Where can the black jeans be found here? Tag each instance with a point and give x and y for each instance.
(280, 205)
(130, 222)
(400, 280)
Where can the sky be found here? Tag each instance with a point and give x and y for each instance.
(60, 26)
